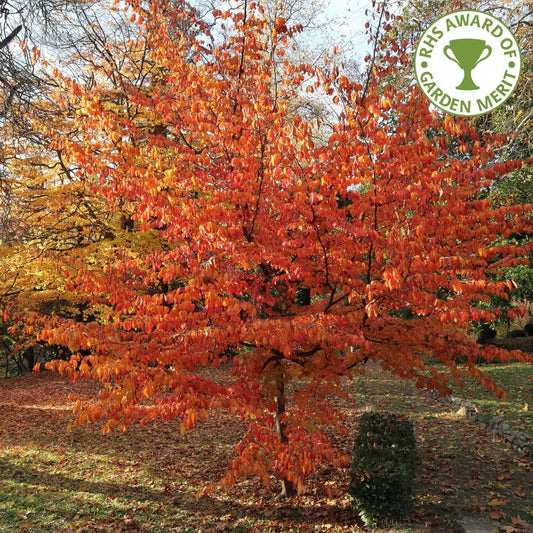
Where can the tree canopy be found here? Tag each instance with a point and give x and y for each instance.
(228, 226)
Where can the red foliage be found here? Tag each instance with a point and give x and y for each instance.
(240, 198)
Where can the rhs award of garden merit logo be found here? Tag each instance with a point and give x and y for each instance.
(467, 63)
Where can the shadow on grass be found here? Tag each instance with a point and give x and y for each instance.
(61, 499)
(48, 471)
(151, 474)
(40, 480)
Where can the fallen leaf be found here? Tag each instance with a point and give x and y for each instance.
(519, 523)
(505, 475)
(496, 514)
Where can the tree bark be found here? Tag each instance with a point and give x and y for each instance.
(10, 37)
(287, 487)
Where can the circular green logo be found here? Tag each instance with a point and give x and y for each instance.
(467, 63)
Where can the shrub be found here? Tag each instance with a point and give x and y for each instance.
(486, 332)
(515, 333)
(382, 469)
(528, 328)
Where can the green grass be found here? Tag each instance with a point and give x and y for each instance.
(42, 490)
(461, 469)
(516, 379)
(148, 478)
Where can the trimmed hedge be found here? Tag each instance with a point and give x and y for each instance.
(382, 469)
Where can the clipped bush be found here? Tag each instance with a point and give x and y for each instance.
(515, 333)
(382, 471)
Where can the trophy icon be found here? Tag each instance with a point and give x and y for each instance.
(467, 53)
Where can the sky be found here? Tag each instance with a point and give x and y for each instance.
(351, 13)
(347, 26)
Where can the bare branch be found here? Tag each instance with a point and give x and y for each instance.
(10, 37)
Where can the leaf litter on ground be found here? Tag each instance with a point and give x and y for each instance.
(148, 478)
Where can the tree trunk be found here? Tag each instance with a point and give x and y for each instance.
(287, 487)
(302, 297)
(29, 358)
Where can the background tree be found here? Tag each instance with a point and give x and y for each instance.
(50, 216)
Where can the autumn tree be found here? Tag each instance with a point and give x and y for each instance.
(51, 217)
(384, 228)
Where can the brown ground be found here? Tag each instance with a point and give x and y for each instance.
(461, 469)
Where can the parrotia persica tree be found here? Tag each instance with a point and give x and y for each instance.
(291, 260)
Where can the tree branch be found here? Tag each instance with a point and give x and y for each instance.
(10, 37)
(374, 52)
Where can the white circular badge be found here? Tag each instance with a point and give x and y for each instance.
(467, 63)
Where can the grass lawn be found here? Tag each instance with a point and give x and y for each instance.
(148, 478)
(516, 379)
